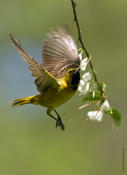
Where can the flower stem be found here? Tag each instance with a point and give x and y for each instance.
(84, 47)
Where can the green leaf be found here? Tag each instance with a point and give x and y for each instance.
(89, 97)
(103, 86)
(115, 115)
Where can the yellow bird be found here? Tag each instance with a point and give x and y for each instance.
(58, 76)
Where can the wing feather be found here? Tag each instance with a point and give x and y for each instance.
(38, 71)
(59, 55)
(59, 50)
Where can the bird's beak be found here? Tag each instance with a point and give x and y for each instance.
(77, 70)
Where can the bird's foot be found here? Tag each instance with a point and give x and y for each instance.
(60, 124)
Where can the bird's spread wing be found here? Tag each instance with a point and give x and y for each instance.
(37, 71)
(59, 52)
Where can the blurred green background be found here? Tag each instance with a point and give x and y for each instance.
(29, 142)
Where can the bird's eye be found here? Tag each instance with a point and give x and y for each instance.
(70, 71)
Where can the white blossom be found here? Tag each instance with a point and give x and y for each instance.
(86, 89)
(84, 84)
(83, 63)
(95, 115)
(98, 115)
(83, 89)
(86, 77)
(80, 56)
(80, 90)
(105, 106)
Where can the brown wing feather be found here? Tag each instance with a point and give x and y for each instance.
(45, 79)
(33, 65)
(59, 51)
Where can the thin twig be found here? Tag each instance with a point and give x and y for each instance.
(84, 47)
(85, 105)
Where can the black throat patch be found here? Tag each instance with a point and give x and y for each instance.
(75, 80)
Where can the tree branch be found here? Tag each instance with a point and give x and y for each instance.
(84, 47)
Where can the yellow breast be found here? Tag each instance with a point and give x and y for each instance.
(53, 97)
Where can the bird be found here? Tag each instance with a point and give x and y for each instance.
(58, 76)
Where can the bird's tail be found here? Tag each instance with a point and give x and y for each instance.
(25, 100)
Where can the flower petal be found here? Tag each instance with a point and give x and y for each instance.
(105, 106)
(95, 115)
(86, 76)
(83, 64)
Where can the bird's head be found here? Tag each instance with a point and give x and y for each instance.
(73, 77)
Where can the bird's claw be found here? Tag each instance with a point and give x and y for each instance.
(60, 124)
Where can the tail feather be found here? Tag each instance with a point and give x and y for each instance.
(24, 100)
